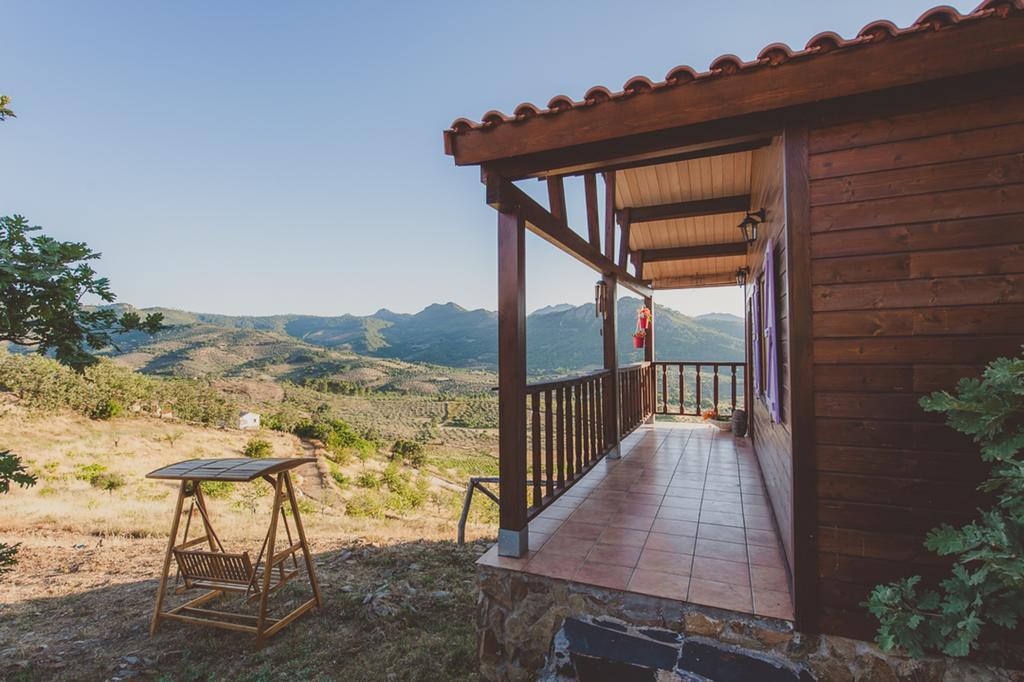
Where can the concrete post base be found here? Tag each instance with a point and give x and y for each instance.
(513, 543)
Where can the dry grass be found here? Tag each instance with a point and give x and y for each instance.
(77, 605)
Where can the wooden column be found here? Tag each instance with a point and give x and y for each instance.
(612, 427)
(512, 525)
(649, 350)
(805, 574)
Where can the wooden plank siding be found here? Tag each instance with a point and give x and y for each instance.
(773, 442)
(917, 280)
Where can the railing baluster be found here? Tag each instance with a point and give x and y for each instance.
(665, 389)
(561, 436)
(579, 426)
(698, 389)
(570, 433)
(682, 388)
(593, 420)
(535, 419)
(584, 426)
(549, 450)
(585, 417)
(733, 402)
(715, 390)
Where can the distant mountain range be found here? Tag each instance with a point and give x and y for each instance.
(560, 338)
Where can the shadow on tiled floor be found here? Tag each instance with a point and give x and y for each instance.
(682, 515)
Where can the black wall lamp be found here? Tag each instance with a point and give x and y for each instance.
(749, 224)
(741, 276)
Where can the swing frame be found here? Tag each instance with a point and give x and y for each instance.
(221, 572)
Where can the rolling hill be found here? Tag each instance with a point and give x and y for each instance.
(369, 349)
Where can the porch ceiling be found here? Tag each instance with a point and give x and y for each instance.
(681, 182)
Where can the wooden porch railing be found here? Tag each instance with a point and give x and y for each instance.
(678, 381)
(636, 395)
(565, 434)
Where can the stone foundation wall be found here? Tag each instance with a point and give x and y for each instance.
(519, 614)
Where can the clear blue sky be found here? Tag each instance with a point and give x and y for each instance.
(257, 158)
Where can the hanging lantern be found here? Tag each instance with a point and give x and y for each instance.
(748, 226)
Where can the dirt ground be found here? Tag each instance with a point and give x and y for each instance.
(77, 607)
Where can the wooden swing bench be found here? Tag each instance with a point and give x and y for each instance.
(219, 571)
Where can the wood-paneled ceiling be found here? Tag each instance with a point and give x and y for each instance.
(681, 183)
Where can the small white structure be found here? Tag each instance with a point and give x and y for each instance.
(248, 420)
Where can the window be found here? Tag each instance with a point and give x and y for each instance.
(764, 349)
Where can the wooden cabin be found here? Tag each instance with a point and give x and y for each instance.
(885, 173)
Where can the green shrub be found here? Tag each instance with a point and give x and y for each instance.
(341, 457)
(392, 476)
(978, 607)
(366, 504)
(107, 409)
(409, 451)
(90, 472)
(108, 481)
(339, 438)
(258, 448)
(408, 496)
(306, 507)
(337, 474)
(104, 389)
(217, 489)
(369, 480)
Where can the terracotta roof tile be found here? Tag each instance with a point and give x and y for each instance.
(773, 55)
(727, 64)
(526, 110)
(638, 84)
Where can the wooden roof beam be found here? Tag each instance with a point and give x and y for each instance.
(657, 158)
(719, 279)
(690, 209)
(504, 196)
(692, 252)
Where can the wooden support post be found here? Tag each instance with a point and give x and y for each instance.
(806, 591)
(306, 553)
(162, 589)
(609, 215)
(624, 223)
(275, 511)
(612, 428)
(593, 221)
(556, 199)
(649, 353)
(512, 521)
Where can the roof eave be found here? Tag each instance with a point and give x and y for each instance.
(956, 50)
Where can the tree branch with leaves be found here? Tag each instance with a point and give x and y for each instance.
(976, 610)
(4, 111)
(11, 471)
(42, 284)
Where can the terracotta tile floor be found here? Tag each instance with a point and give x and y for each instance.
(681, 515)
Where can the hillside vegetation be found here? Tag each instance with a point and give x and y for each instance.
(560, 339)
